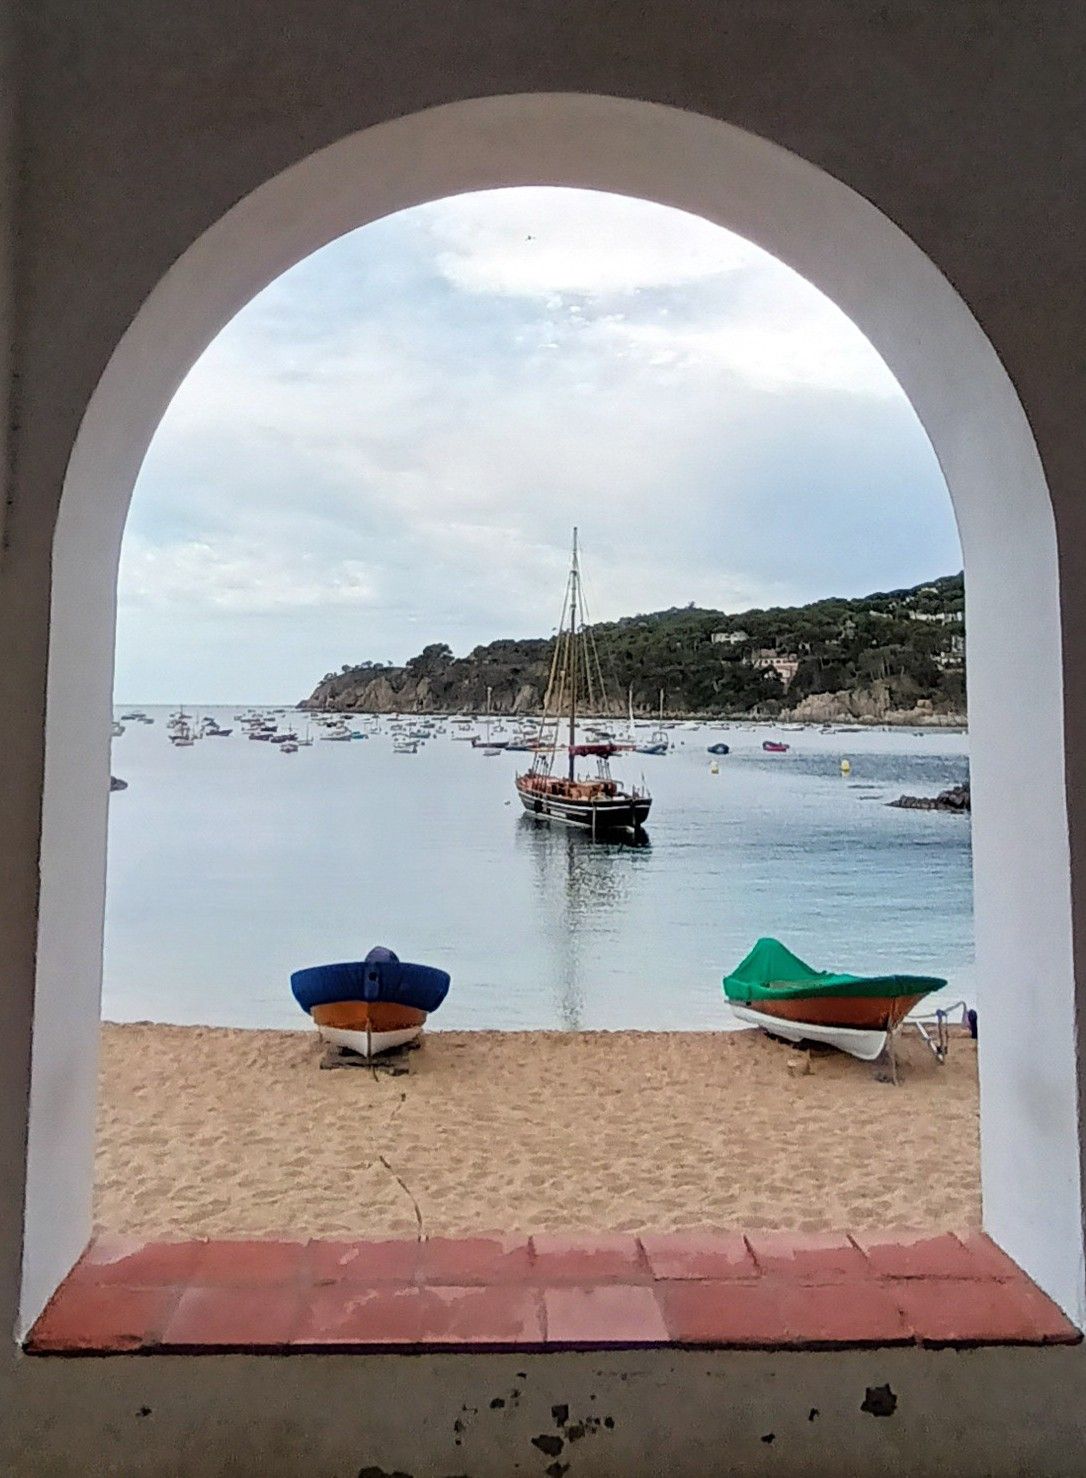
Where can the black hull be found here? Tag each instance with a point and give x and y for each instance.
(619, 813)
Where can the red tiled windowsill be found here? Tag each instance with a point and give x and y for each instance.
(762, 1291)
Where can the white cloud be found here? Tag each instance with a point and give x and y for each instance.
(817, 351)
(231, 578)
(410, 447)
(549, 243)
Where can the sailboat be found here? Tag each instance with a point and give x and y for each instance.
(551, 790)
(658, 742)
(489, 746)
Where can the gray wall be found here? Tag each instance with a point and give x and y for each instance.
(675, 1414)
(141, 122)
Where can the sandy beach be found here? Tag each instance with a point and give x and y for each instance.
(214, 1132)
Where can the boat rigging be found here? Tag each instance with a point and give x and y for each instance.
(599, 804)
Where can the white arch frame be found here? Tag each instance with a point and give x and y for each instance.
(965, 400)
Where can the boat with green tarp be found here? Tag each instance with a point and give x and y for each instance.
(776, 990)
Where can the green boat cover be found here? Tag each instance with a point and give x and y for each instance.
(771, 972)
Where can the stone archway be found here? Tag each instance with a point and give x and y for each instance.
(965, 400)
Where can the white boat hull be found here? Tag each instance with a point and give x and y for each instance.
(369, 1043)
(866, 1045)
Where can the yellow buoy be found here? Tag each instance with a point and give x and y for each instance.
(714, 768)
(846, 768)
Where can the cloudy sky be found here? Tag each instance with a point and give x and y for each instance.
(391, 444)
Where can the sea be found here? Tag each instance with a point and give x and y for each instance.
(232, 864)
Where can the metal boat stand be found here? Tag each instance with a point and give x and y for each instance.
(939, 1038)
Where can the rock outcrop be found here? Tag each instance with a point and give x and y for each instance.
(869, 706)
(437, 682)
(956, 799)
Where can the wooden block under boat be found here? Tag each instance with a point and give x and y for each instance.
(863, 1013)
(376, 1016)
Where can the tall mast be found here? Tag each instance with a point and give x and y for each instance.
(573, 607)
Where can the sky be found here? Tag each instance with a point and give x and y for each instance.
(391, 444)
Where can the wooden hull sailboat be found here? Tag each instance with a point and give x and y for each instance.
(551, 790)
(372, 1005)
(777, 991)
(599, 806)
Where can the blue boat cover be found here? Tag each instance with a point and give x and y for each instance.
(381, 976)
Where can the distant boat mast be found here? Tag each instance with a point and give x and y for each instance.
(573, 602)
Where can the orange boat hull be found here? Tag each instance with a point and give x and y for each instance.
(862, 1013)
(374, 1016)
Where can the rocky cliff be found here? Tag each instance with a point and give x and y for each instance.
(437, 682)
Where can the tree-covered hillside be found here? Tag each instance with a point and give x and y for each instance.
(893, 653)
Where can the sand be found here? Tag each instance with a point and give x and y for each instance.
(212, 1132)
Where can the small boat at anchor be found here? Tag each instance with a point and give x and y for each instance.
(720, 748)
(775, 746)
(372, 1005)
(599, 804)
(777, 991)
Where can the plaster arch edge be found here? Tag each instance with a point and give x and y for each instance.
(810, 220)
(930, 340)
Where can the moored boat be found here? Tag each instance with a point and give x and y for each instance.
(774, 746)
(777, 991)
(598, 804)
(371, 1005)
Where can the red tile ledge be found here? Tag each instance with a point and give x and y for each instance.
(713, 1290)
(833, 1258)
(608, 1258)
(698, 1255)
(604, 1316)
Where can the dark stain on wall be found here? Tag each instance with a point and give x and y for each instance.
(879, 1401)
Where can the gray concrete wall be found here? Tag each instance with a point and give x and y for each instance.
(140, 123)
(19, 808)
(686, 1414)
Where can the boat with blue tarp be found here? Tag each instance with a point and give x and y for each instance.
(370, 1005)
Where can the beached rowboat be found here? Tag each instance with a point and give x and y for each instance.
(371, 1005)
(776, 990)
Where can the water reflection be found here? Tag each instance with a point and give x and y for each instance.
(582, 892)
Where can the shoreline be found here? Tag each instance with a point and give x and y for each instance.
(953, 723)
(214, 1131)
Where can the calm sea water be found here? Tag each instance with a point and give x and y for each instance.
(231, 864)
